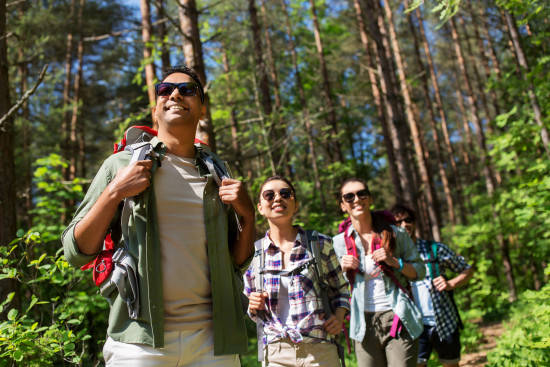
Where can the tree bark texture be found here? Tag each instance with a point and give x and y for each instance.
(423, 165)
(192, 49)
(8, 224)
(146, 34)
(327, 90)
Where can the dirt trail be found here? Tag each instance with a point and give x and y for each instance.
(479, 358)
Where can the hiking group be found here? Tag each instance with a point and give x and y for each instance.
(169, 235)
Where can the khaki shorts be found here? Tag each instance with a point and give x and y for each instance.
(286, 353)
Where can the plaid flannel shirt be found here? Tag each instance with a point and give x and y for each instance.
(304, 291)
(446, 319)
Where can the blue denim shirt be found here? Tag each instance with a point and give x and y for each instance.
(400, 303)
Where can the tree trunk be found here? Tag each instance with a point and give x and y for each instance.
(483, 152)
(423, 165)
(327, 91)
(442, 117)
(279, 128)
(233, 117)
(8, 224)
(65, 123)
(23, 72)
(379, 103)
(192, 49)
(162, 36)
(265, 94)
(148, 61)
(484, 57)
(522, 61)
(433, 124)
(305, 112)
(394, 118)
(477, 77)
(75, 126)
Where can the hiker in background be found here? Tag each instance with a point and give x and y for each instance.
(289, 299)
(379, 260)
(186, 245)
(433, 294)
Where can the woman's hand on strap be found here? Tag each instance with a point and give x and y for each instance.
(257, 301)
(349, 262)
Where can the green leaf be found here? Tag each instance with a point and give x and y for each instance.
(13, 314)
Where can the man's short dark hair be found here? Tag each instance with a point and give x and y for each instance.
(185, 70)
(399, 210)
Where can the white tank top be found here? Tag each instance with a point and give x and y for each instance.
(375, 290)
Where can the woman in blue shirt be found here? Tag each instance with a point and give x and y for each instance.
(379, 260)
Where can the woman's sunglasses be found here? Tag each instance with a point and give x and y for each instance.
(269, 195)
(165, 89)
(406, 220)
(361, 194)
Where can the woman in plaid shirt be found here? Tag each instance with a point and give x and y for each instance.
(295, 329)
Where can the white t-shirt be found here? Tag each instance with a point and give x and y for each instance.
(423, 300)
(375, 290)
(186, 285)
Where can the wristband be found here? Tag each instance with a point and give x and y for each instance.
(401, 264)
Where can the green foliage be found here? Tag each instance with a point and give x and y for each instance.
(527, 340)
(54, 324)
(52, 194)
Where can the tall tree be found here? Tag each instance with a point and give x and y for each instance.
(148, 61)
(76, 123)
(431, 117)
(327, 90)
(423, 165)
(192, 49)
(162, 33)
(305, 111)
(8, 225)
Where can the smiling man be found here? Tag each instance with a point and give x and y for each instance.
(433, 294)
(182, 236)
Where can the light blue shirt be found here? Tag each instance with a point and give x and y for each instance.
(400, 303)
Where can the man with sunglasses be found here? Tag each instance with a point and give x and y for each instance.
(433, 295)
(183, 234)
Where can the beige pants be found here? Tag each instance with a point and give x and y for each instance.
(181, 348)
(379, 349)
(286, 353)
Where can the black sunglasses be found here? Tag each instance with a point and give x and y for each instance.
(165, 89)
(269, 195)
(361, 194)
(408, 220)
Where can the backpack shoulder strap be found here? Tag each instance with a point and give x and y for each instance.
(314, 247)
(432, 256)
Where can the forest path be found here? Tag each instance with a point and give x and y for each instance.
(491, 332)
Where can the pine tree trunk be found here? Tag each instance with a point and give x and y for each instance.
(305, 111)
(162, 35)
(484, 57)
(394, 118)
(233, 117)
(65, 122)
(522, 61)
(8, 196)
(379, 103)
(474, 116)
(327, 91)
(192, 50)
(23, 72)
(146, 34)
(75, 126)
(433, 124)
(423, 165)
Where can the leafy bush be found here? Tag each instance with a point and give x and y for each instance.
(527, 342)
(57, 308)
